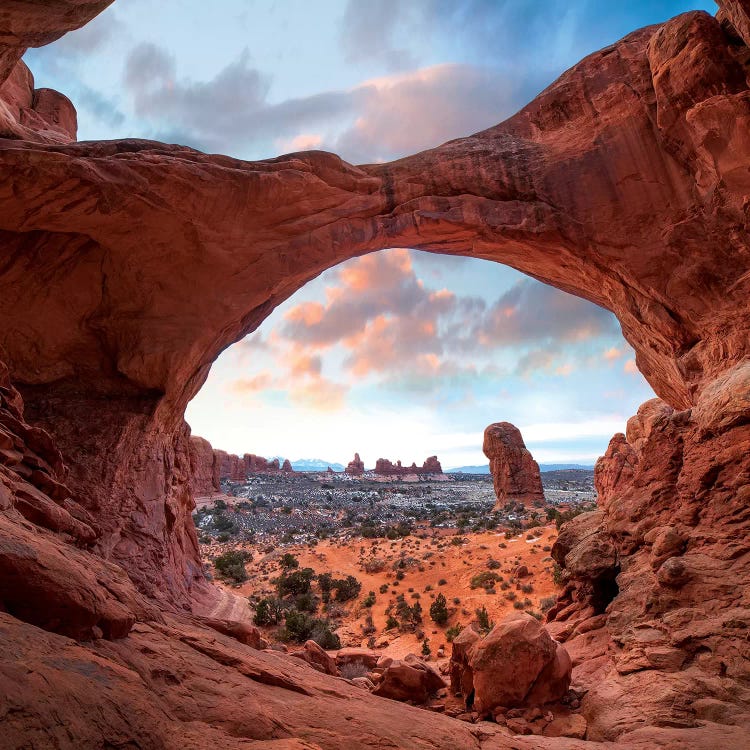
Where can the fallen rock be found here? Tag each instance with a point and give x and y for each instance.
(359, 656)
(461, 679)
(409, 679)
(571, 725)
(317, 658)
(516, 660)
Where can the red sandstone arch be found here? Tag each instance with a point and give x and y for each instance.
(130, 265)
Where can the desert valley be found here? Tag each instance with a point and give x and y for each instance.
(159, 592)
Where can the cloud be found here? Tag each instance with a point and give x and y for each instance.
(630, 367)
(386, 320)
(368, 296)
(320, 394)
(368, 32)
(379, 119)
(532, 312)
(612, 353)
(260, 382)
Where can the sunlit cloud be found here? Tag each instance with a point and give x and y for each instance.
(612, 353)
(630, 367)
(255, 384)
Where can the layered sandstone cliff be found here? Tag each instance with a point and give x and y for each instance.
(210, 465)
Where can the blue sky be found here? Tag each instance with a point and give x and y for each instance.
(400, 354)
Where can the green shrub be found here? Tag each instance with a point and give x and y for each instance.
(369, 600)
(295, 583)
(347, 588)
(232, 565)
(485, 579)
(300, 627)
(289, 561)
(269, 611)
(439, 610)
(558, 577)
(452, 632)
(483, 620)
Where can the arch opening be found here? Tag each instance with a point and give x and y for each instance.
(400, 351)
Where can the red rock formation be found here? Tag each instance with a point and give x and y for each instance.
(203, 469)
(34, 114)
(356, 467)
(505, 193)
(515, 473)
(625, 182)
(516, 664)
(230, 466)
(209, 466)
(384, 467)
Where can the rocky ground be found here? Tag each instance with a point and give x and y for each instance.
(419, 540)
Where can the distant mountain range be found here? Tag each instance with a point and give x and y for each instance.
(485, 469)
(313, 464)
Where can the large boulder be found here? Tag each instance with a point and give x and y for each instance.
(518, 664)
(409, 679)
(515, 473)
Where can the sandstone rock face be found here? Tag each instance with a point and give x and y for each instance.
(209, 466)
(517, 664)
(34, 114)
(515, 473)
(657, 579)
(356, 467)
(204, 472)
(624, 182)
(462, 681)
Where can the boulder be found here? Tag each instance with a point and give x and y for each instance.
(517, 660)
(409, 679)
(363, 656)
(462, 682)
(317, 658)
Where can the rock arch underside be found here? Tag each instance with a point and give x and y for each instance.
(128, 266)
